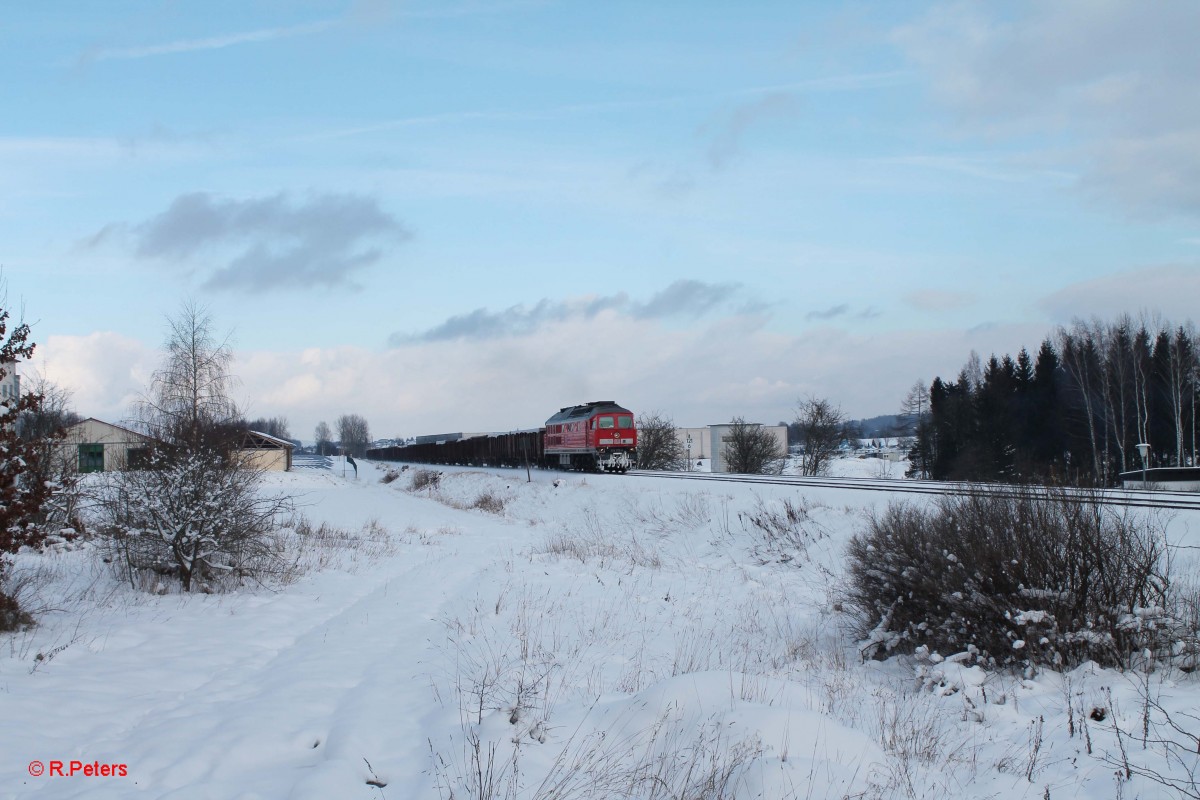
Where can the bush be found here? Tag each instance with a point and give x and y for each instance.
(751, 449)
(424, 479)
(490, 502)
(197, 515)
(1014, 577)
(658, 444)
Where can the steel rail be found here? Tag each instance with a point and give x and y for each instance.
(1188, 501)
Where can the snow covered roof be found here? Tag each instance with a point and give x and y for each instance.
(260, 439)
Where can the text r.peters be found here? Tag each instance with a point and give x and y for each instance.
(67, 769)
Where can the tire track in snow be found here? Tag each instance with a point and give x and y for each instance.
(282, 714)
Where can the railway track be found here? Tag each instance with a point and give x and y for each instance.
(1187, 501)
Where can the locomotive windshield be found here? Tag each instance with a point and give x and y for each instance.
(624, 422)
(606, 422)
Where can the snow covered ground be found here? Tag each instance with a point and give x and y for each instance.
(574, 636)
(857, 467)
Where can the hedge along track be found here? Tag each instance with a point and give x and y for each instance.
(1186, 501)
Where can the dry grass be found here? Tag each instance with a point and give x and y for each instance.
(424, 479)
(317, 547)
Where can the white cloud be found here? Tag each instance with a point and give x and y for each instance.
(105, 372)
(701, 374)
(1167, 290)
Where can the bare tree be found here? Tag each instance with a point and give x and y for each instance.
(750, 449)
(44, 427)
(324, 439)
(197, 510)
(1181, 388)
(914, 409)
(1081, 361)
(189, 396)
(54, 413)
(354, 434)
(272, 426)
(822, 427)
(658, 444)
(914, 426)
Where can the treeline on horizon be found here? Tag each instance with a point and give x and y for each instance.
(1075, 413)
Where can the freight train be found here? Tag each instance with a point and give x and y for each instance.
(599, 436)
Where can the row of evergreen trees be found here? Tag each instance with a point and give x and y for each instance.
(1075, 413)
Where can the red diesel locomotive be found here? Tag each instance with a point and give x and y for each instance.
(594, 436)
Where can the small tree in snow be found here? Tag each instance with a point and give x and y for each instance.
(189, 401)
(821, 425)
(324, 439)
(42, 425)
(198, 514)
(657, 444)
(750, 449)
(197, 510)
(354, 434)
(22, 493)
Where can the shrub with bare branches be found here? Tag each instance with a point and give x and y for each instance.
(751, 449)
(424, 479)
(1020, 577)
(658, 444)
(199, 516)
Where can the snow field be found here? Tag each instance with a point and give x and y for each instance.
(573, 637)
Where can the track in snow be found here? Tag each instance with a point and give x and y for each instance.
(1135, 499)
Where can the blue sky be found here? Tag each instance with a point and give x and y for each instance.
(464, 215)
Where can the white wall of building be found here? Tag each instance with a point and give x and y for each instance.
(10, 384)
(116, 441)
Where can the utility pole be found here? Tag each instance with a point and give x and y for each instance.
(525, 450)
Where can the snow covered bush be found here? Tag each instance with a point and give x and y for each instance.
(1019, 577)
(196, 514)
(424, 479)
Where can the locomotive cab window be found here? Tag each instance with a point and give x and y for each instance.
(606, 422)
(624, 423)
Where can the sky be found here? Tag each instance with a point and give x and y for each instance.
(462, 216)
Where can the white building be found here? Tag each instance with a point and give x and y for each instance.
(265, 452)
(10, 384)
(97, 446)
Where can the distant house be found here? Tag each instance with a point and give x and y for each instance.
(97, 446)
(266, 452)
(10, 384)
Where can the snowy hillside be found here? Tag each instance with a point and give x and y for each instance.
(572, 637)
